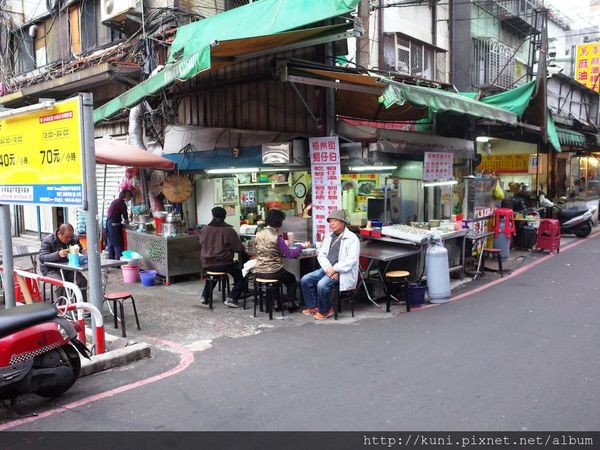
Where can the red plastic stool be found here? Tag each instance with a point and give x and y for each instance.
(32, 287)
(548, 235)
(506, 216)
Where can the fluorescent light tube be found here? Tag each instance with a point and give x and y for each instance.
(232, 170)
(439, 183)
(370, 168)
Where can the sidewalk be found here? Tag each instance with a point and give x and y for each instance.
(174, 312)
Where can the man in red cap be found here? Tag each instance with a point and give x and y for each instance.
(338, 257)
(218, 244)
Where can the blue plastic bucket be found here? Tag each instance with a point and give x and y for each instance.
(148, 277)
(416, 294)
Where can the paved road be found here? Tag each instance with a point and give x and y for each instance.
(520, 355)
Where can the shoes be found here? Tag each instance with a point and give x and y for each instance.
(204, 302)
(310, 311)
(325, 315)
(232, 303)
(293, 308)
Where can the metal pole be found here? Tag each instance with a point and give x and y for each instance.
(38, 217)
(96, 296)
(7, 257)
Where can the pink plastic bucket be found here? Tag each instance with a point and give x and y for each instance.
(131, 273)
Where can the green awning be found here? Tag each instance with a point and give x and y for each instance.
(192, 49)
(515, 100)
(570, 137)
(438, 100)
(552, 134)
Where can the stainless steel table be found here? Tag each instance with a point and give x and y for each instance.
(386, 253)
(447, 239)
(104, 264)
(169, 256)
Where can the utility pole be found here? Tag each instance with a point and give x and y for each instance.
(363, 50)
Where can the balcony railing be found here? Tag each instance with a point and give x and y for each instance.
(519, 14)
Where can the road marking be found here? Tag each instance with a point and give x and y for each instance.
(187, 358)
(519, 271)
(507, 276)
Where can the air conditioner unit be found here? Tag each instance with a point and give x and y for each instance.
(120, 13)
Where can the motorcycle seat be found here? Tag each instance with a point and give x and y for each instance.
(13, 319)
(569, 213)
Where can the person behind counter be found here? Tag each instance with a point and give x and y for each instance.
(270, 249)
(218, 244)
(117, 212)
(338, 257)
(55, 248)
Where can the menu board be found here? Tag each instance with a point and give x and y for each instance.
(437, 166)
(507, 163)
(41, 156)
(326, 182)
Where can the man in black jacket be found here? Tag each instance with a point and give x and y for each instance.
(55, 248)
(218, 244)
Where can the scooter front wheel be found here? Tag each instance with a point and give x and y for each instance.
(69, 358)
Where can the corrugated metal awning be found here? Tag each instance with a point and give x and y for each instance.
(252, 30)
(570, 137)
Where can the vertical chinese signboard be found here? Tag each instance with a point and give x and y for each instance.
(587, 65)
(326, 182)
(437, 166)
(41, 159)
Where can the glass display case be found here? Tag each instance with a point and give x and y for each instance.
(477, 195)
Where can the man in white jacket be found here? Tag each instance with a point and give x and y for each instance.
(338, 258)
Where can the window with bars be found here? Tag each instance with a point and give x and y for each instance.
(414, 58)
(230, 4)
(494, 64)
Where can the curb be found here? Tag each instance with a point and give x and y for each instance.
(125, 353)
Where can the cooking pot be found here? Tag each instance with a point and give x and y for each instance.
(173, 218)
(170, 229)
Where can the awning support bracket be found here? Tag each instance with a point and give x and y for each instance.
(305, 103)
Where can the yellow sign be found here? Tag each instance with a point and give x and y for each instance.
(509, 163)
(41, 158)
(587, 65)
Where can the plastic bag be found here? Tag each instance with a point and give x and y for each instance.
(497, 192)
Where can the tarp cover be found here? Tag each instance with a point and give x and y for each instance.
(515, 100)
(438, 100)
(190, 52)
(111, 151)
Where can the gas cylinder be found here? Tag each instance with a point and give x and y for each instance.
(436, 270)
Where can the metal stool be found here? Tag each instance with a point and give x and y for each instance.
(120, 297)
(494, 252)
(219, 277)
(270, 288)
(246, 292)
(395, 279)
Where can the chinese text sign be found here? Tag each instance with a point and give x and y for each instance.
(437, 166)
(587, 65)
(326, 181)
(41, 158)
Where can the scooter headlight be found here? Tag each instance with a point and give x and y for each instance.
(63, 332)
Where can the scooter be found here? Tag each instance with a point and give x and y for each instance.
(577, 220)
(39, 351)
